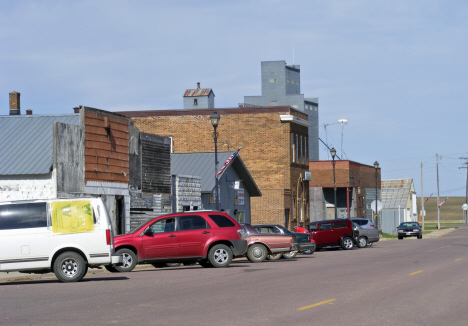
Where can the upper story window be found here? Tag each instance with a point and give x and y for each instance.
(273, 80)
(195, 101)
(299, 152)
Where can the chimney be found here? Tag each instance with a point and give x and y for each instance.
(28, 112)
(15, 103)
(198, 85)
(76, 110)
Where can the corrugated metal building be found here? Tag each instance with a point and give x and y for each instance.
(398, 204)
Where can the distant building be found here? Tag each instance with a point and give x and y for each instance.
(399, 203)
(281, 85)
(355, 189)
(199, 98)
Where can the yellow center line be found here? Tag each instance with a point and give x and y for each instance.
(316, 304)
(458, 259)
(415, 273)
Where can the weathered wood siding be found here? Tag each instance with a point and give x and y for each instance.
(155, 164)
(106, 149)
(68, 157)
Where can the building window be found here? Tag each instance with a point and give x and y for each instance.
(195, 102)
(293, 148)
(273, 80)
(300, 151)
(295, 106)
(297, 149)
(287, 81)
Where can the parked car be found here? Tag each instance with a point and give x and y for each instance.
(368, 234)
(304, 242)
(65, 236)
(409, 229)
(333, 233)
(210, 238)
(260, 245)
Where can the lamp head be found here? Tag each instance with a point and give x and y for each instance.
(333, 152)
(215, 117)
(376, 165)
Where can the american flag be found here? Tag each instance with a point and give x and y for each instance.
(228, 161)
(429, 197)
(442, 202)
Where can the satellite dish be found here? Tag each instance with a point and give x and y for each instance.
(343, 121)
(379, 206)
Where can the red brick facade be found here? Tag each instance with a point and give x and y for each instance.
(266, 149)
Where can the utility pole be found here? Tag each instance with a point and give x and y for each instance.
(438, 207)
(422, 198)
(465, 213)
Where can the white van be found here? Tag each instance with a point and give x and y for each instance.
(65, 236)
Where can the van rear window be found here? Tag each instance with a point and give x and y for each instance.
(341, 225)
(23, 216)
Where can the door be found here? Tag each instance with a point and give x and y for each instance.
(162, 242)
(323, 236)
(194, 233)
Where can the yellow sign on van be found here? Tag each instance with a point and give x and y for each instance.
(72, 216)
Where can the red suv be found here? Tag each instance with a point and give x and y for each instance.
(333, 233)
(210, 238)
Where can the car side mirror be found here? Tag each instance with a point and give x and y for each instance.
(148, 232)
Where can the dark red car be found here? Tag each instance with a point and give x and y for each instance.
(210, 238)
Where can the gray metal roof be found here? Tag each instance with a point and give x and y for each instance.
(26, 142)
(395, 192)
(202, 165)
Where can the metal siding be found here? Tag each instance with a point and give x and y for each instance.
(26, 142)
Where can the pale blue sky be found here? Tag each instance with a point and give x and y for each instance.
(396, 70)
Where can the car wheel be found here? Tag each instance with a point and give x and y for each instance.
(290, 255)
(129, 260)
(111, 268)
(369, 244)
(220, 256)
(275, 256)
(308, 252)
(420, 236)
(70, 267)
(347, 243)
(362, 242)
(400, 238)
(205, 263)
(257, 253)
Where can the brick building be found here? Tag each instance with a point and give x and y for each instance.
(355, 189)
(274, 144)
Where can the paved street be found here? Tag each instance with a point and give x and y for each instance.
(396, 282)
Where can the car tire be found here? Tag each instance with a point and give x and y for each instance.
(308, 252)
(111, 268)
(275, 256)
(70, 267)
(369, 244)
(257, 253)
(220, 256)
(205, 264)
(347, 243)
(420, 236)
(400, 238)
(362, 242)
(289, 255)
(130, 260)
(173, 264)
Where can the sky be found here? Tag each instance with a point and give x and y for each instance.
(395, 70)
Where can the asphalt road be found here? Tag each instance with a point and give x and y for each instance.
(399, 282)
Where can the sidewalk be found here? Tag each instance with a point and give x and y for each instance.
(6, 277)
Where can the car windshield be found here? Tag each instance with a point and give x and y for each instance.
(409, 225)
(136, 228)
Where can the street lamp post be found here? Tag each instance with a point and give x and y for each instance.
(376, 166)
(333, 153)
(215, 117)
